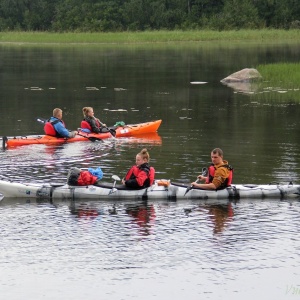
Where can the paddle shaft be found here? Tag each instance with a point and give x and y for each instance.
(91, 138)
(112, 131)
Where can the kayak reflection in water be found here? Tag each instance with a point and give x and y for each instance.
(84, 210)
(219, 214)
(141, 175)
(144, 216)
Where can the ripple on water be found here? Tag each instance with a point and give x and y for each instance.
(210, 243)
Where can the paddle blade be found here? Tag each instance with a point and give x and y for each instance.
(94, 139)
(41, 120)
(188, 189)
(113, 132)
(116, 177)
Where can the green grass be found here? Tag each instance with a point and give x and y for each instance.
(285, 75)
(281, 82)
(151, 36)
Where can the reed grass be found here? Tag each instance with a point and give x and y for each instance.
(162, 36)
(285, 75)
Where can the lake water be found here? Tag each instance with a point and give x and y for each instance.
(158, 249)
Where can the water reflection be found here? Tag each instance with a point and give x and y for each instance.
(141, 248)
(144, 216)
(219, 214)
(87, 211)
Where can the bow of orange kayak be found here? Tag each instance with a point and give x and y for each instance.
(138, 129)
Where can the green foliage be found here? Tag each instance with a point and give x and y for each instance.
(283, 75)
(140, 15)
(39, 37)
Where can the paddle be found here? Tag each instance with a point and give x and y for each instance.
(112, 131)
(91, 138)
(204, 173)
(41, 120)
(115, 178)
(190, 187)
(4, 140)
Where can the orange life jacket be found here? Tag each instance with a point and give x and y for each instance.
(211, 174)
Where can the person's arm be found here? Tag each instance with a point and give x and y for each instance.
(136, 181)
(102, 124)
(204, 186)
(61, 129)
(219, 177)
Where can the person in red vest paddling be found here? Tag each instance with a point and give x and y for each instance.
(141, 175)
(55, 126)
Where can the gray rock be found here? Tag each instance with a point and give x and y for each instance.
(245, 75)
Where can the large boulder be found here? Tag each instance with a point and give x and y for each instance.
(245, 75)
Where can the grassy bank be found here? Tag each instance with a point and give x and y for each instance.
(282, 74)
(151, 36)
(281, 82)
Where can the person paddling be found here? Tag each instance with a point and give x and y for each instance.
(55, 126)
(219, 173)
(90, 123)
(141, 175)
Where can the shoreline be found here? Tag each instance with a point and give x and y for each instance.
(150, 37)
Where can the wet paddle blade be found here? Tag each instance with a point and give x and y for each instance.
(190, 187)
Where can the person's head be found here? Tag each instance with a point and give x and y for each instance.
(142, 157)
(57, 113)
(216, 156)
(88, 111)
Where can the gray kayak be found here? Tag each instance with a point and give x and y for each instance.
(161, 189)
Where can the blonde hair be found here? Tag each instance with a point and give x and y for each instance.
(86, 110)
(144, 154)
(56, 112)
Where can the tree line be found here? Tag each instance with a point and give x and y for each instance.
(140, 15)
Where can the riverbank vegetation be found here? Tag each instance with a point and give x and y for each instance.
(162, 36)
(286, 74)
(147, 15)
(281, 78)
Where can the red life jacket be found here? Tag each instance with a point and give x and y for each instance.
(133, 173)
(211, 174)
(86, 125)
(151, 175)
(86, 178)
(49, 128)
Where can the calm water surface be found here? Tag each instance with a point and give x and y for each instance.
(159, 249)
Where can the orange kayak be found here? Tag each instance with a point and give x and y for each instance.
(123, 131)
(137, 129)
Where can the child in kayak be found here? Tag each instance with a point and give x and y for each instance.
(141, 175)
(91, 123)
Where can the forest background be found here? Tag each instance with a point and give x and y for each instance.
(142, 15)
